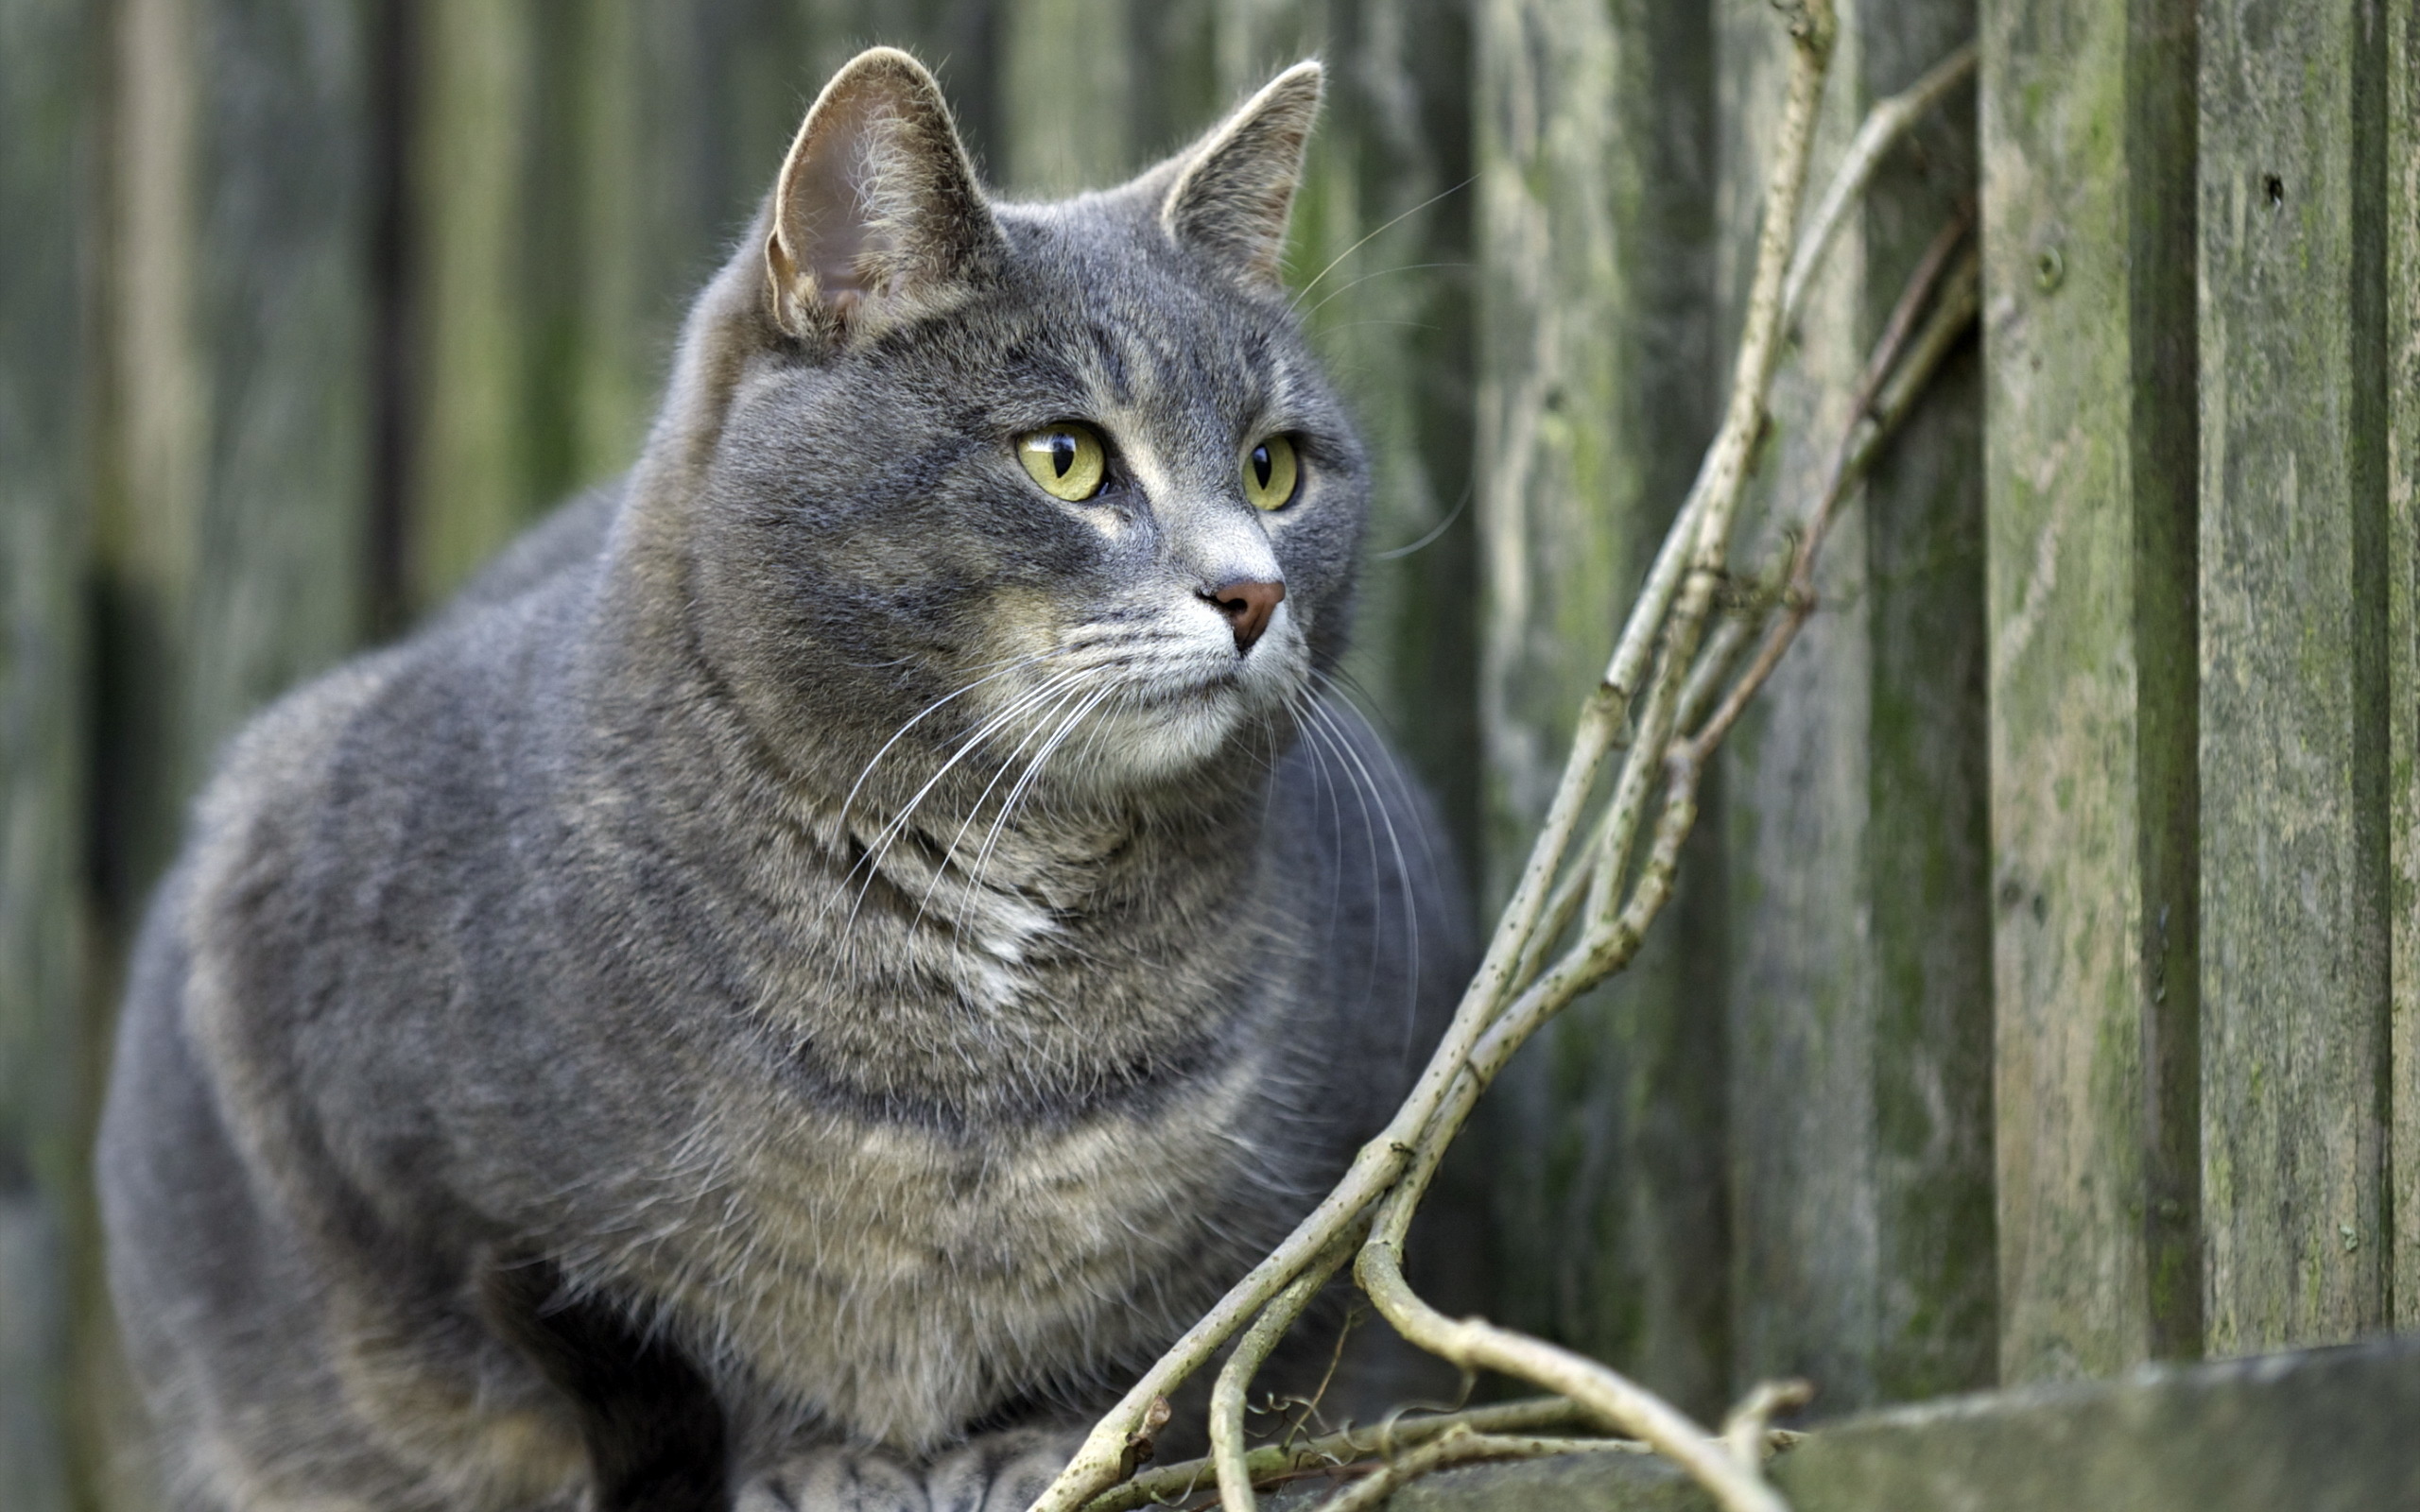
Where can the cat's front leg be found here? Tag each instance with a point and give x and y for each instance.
(995, 1472)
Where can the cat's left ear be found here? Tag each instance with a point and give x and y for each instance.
(876, 212)
(1234, 191)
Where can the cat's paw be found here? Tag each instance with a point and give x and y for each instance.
(836, 1480)
(996, 1473)
(999, 1473)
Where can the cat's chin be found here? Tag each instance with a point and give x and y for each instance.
(1166, 739)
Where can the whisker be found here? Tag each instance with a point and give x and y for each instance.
(1076, 689)
(983, 857)
(1379, 230)
(1347, 289)
(1403, 868)
(928, 709)
(889, 835)
(1398, 553)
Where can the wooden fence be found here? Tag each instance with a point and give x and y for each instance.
(2044, 995)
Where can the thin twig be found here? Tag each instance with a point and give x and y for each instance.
(1884, 125)
(1748, 1429)
(1887, 403)
(1227, 1451)
(1165, 1482)
(1461, 1446)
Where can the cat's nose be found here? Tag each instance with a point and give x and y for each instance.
(1246, 602)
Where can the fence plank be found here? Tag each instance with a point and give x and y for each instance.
(1594, 133)
(1067, 90)
(469, 184)
(1927, 853)
(281, 308)
(2088, 278)
(2403, 611)
(231, 525)
(2294, 709)
(48, 80)
(1857, 926)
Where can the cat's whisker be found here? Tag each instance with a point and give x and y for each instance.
(976, 809)
(1346, 288)
(1408, 893)
(1033, 771)
(1025, 784)
(1381, 229)
(1403, 870)
(889, 835)
(895, 736)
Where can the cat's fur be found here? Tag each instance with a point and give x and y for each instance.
(611, 1044)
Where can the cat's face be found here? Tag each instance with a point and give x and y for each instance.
(1059, 486)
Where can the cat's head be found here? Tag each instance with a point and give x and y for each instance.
(1022, 474)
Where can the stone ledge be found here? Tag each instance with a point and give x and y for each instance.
(2323, 1431)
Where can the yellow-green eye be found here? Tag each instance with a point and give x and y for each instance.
(1269, 474)
(1066, 459)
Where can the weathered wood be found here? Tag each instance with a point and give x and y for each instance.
(2403, 629)
(1068, 91)
(49, 79)
(2088, 281)
(229, 542)
(470, 185)
(1596, 389)
(2328, 1429)
(281, 310)
(2293, 707)
(1856, 924)
(1927, 850)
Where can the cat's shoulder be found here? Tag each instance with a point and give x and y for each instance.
(413, 717)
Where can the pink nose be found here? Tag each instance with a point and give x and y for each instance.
(1246, 605)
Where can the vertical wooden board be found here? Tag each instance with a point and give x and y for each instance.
(2293, 736)
(282, 308)
(151, 453)
(1196, 58)
(2088, 228)
(1383, 266)
(1855, 805)
(2087, 217)
(2402, 606)
(1593, 141)
(47, 84)
(1928, 852)
(470, 186)
(1066, 95)
(155, 385)
(1799, 992)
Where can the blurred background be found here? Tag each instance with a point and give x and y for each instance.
(1925, 1080)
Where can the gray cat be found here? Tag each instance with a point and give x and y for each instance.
(840, 946)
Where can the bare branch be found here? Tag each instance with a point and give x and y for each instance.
(1234, 1378)
(1884, 125)
(1349, 1446)
(1461, 1446)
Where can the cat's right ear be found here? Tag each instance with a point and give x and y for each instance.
(876, 214)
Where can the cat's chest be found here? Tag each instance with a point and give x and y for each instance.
(890, 1278)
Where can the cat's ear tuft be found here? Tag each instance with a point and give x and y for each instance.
(877, 210)
(1231, 198)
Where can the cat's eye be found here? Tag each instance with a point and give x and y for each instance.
(1271, 473)
(1067, 459)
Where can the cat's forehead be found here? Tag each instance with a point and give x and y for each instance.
(1097, 279)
